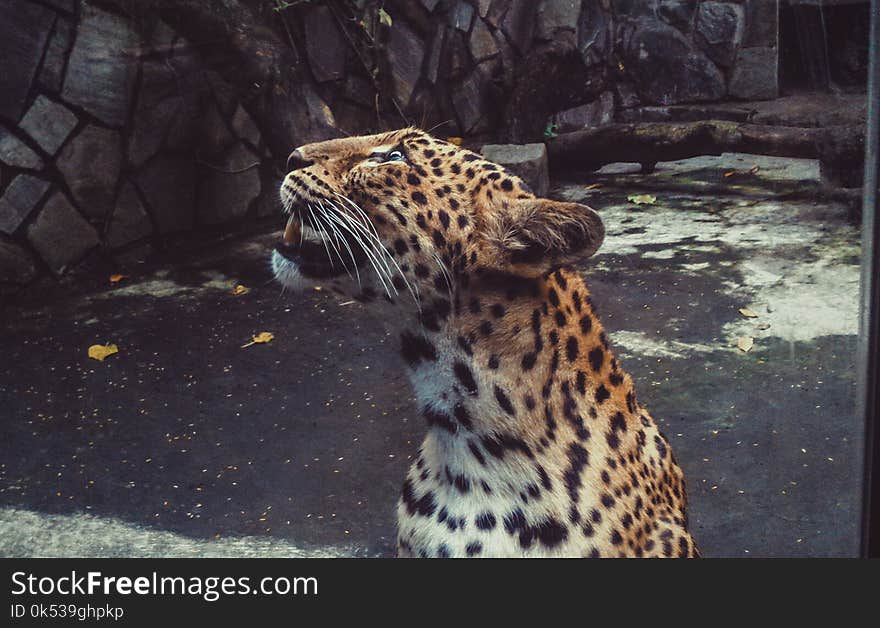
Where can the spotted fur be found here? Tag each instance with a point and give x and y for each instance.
(536, 442)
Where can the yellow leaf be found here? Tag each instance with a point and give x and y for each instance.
(748, 313)
(593, 186)
(729, 173)
(642, 199)
(454, 140)
(99, 352)
(240, 290)
(260, 339)
(117, 278)
(384, 18)
(745, 344)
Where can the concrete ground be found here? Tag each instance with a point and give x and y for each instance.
(186, 444)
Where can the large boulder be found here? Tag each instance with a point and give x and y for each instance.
(405, 54)
(19, 200)
(325, 45)
(60, 235)
(227, 189)
(665, 68)
(24, 31)
(168, 185)
(527, 161)
(130, 221)
(100, 72)
(17, 154)
(91, 163)
(755, 74)
(720, 29)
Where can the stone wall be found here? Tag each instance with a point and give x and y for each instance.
(117, 138)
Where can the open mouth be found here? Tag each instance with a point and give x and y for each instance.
(318, 256)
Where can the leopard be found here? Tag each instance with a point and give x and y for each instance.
(536, 444)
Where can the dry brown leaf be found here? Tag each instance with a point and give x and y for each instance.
(729, 174)
(99, 352)
(748, 313)
(593, 186)
(117, 278)
(240, 290)
(454, 140)
(260, 339)
(745, 344)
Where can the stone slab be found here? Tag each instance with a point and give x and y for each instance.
(91, 163)
(19, 200)
(100, 77)
(48, 123)
(60, 234)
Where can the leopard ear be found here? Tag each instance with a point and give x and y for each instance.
(542, 233)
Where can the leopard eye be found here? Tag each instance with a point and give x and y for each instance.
(394, 155)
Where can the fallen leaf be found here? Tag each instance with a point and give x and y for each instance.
(745, 344)
(754, 169)
(240, 290)
(748, 313)
(642, 199)
(99, 352)
(117, 278)
(384, 18)
(729, 174)
(454, 140)
(593, 186)
(260, 339)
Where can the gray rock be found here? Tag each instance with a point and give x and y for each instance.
(52, 73)
(518, 24)
(168, 185)
(527, 161)
(596, 113)
(720, 27)
(100, 74)
(15, 153)
(471, 101)
(63, 5)
(762, 24)
(19, 200)
(17, 264)
(557, 16)
(359, 90)
(436, 51)
(24, 31)
(429, 5)
(405, 54)
(48, 123)
(458, 57)
(665, 69)
(482, 43)
(461, 16)
(244, 126)
(159, 105)
(90, 164)
(595, 32)
(325, 46)
(215, 136)
(60, 235)
(755, 74)
(225, 196)
(679, 13)
(130, 221)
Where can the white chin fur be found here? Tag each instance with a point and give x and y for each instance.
(287, 273)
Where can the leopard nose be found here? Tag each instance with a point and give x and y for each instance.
(296, 161)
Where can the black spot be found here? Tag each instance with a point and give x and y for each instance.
(661, 446)
(473, 548)
(597, 358)
(475, 450)
(497, 310)
(581, 382)
(422, 271)
(493, 362)
(441, 420)
(416, 348)
(463, 416)
(400, 246)
(586, 324)
(465, 376)
(504, 401)
(443, 551)
(607, 500)
(602, 394)
(444, 218)
(485, 521)
(554, 298)
(616, 539)
(571, 348)
(419, 198)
